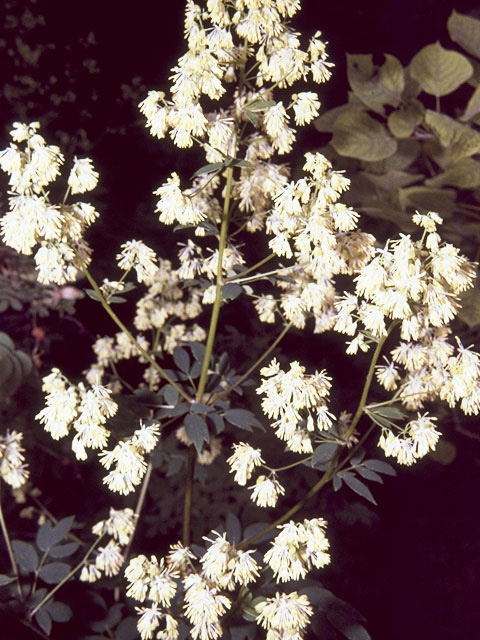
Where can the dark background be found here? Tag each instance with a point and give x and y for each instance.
(412, 565)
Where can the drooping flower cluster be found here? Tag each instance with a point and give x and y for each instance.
(308, 224)
(243, 461)
(222, 568)
(120, 525)
(286, 615)
(298, 548)
(416, 283)
(413, 442)
(128, 459)
(13, 469)
(297, 402)
(214, 58)
(76, 407)
(33, 220)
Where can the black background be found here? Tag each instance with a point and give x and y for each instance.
(412, 565)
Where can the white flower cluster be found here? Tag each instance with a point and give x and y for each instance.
(415, 441)
(297, 402)
(32, 219)
(298, 548)
(120, 525)
(222, 567)
(309, 224)
(286, 615)
(75, 407)
(213, 58)
(128, 459)
(416, 283)
(13, 469)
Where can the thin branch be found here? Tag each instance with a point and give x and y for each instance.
(139, 507)
(11, 555)
(66, 579)
(131, 337)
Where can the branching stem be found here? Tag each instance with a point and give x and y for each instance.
(131, 337)
(334, 465)
(11, 555)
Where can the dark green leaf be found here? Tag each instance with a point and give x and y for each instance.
(54, 572)
(49, 535)
(231, 290)
(260, 105)
(255, 528)
(178, 410)
(44, 621)
(464, 174)
(356, 485)
(387, 411)
(25, 554)
(222, 363)
(234, 528)
(63, 550)
(470, 310)
(4, 580)
(324, 453)
(380, 467)
(218, 422)
(376, 86)
(198, 350)
(127, 629)
(117, 299)
(196, 369)
(346, 619)
(170, 394)
(197, 430)
(181, 359)
(337, 482)
(243, 632)
(357, 458)
(198, 407)
(241, 163)
(59, 611)
(209, 168)
(92, 294)
(241, 418)
(368, 474)
(357, 135)
(440, 71)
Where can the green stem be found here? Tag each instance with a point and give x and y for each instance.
(66, 579)
(296, 507)
(130, 336)
(368, 382)
(187, 506)
(257, 363)
(139, 507)
(333, 466)
(11, 555)
(218, 288)
(240, 275)
(287, 466)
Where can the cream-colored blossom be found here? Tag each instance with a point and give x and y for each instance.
(120, 525)
(266, 491)
(136, 255)
(109, 559)
(13, 469)
(83, 176)
(243, 461)
(285, 614)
